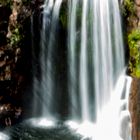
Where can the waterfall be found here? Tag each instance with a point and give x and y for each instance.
(98, 88)
(101, 57)
(44, 84)
(97, 78)
(108, 52)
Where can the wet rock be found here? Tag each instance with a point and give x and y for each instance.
(11, 83)
(2, 63)
(25, 131)
(137, 2)
(134, 107)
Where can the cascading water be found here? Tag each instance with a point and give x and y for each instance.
(97, 85)
(44, 85)
(97, 70)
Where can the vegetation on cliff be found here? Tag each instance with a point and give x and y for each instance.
(128, 7)
(134, 46)
(15, 58)
(6, 3)
(130, 13)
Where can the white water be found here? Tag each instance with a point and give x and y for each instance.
(44, 87)
(72, 56)
(83, 64)
(101, 37)
(4, 136)
(113, 122)
(96, 69)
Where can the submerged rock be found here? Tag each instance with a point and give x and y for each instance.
(24, 131)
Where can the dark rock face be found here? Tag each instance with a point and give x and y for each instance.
(132, 22)
(134, 106)
(15, 60)
(4, 19)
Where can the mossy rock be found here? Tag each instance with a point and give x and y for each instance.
(25, 131)
(134, 47)
(128, 8)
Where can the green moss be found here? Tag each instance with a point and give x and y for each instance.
(63, 15)
(15, 37)
(128, 7)
(134, 46)
(26, 2)
(7, 3)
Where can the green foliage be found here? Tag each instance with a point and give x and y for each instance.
(63, 20)
(63, 16)
(134, 46)
(128, 7)
(6, 2)
(15, 37)
(26, 2)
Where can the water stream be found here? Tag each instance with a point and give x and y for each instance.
(44, 86)
(98, 88)
(100, 80)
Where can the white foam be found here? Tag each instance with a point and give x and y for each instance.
(42, 122)
(3, 136)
